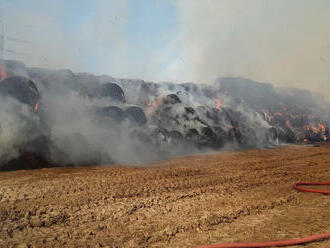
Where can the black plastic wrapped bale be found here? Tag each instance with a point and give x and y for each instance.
(308, 135)
(249, 137)
(175, 137)
(234, 117)
(172, 99)
(192, 135)
(326, 134)
(221, 136)
(113, 91)
(208, 115)
(290, 135)
(316, 137)
(135, 115)
(20, 88)
(281, 134)
(234, 135)
(272, 135)
(189, 113)
(208, 137)
(111, 113)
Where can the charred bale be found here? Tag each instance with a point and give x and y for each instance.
(189, 113)
(192, 135)
(272, 135)
(111, 113)
(135, 115)
(221, 136)
(290, 135)
(20, 88)
(208, 137)
(172, 99)
(175, 137)
(113, 91)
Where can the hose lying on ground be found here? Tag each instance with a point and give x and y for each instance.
(282, 243)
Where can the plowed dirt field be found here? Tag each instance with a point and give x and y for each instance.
(182, 202)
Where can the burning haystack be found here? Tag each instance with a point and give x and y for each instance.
(59, 117)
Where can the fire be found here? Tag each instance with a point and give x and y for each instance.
(36, 107)
(315, 130)
(3, 72)
(288, 123)
(219, 103)
(152, 106)
(278, 114)
(267, 117)
(322, 127)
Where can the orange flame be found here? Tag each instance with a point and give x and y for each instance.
(288, 123)
(278, 114)
(36, 107)
(153, 106)
(322, 127)
(315, 130)
(319, 129)
(307, 127)
(219, 103)
(267, 117)
(3, 73)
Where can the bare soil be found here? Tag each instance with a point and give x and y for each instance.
(182, 202)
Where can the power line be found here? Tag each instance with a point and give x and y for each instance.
(14, 39)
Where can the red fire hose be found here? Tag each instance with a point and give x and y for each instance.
(282, 242)
(324, 192)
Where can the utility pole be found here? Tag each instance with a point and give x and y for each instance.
(2, 32)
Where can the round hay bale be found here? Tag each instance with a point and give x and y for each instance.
(208, 137)
(112, 113)
(192, 135)
(136, 115)
(172, 99)
(20, 88)
(175, 137)
(113, 91)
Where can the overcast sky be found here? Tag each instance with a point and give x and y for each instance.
(286, 42)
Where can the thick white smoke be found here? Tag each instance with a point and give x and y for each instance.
(283, 42)
(16, 130)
